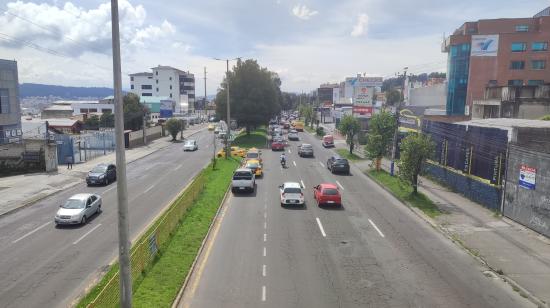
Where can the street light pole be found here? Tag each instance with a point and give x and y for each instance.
(396, 132)
(122, 193)
(228, 132)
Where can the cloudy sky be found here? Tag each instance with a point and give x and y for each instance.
(307, 42)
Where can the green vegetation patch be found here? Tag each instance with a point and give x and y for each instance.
(345, 154)
(256, 139)
(404, 192)
(163, 281)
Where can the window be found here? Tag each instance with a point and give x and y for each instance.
(515, 82)
(157, 73)
(146, 94)
(519, 47)
(146, 87)
(132, 86)
(157, 89)
(157, 81)
(539, 46)
(106, 110)
(4, 101)
(522, 28)
(535, 82)
(170, 95)
(131, 78)
(170, 87)
(92, 110)
(517, 65)
(170, 78)
(492, 83)
(538, 64)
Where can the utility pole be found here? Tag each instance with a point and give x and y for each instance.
(122, 192)
(396, 133)
(144, 128)
(204, 100)
(228, 132)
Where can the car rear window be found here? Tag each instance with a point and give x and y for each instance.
(241, 175)
(330, 191)
(307, 146)
(292, 190)
(252, 155)
(341, 161)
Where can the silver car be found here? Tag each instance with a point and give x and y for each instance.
(190, 145)
(78, 209)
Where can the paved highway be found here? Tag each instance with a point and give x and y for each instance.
(45, 266)
(373, 252)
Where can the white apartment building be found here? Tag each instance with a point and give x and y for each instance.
(169, 82)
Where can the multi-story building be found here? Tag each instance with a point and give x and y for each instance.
(495, 52)
(10, 110)
(167, 81)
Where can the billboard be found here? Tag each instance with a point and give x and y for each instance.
(359, 82)
(336, 95)
(166, 108)
(363, 96)
(484, 45)
(325, 96)
(362, 111)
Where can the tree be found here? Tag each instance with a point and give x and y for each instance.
(255, 95)
(349, 126)
(380, 136)
(92, 122)
(393, 97)
(107, 119)
(133, 112)
(415, 149)
(173, 126)
(306, 111)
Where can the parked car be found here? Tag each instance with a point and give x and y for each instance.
(255, 166)
(293, 137)
(190, 145)
(328, 141)
(327, 193)
(101, 174)
(243, 180)
(291, 193)
(277, 145)
(305, 150)
(338, 164)
(78, 209)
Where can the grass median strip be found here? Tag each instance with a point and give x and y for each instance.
(256, 139)
(404, 192)
(162, 282)
(345, 154)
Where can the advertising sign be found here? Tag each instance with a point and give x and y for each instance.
(166, 108)
(325, 96)
(484, 45)
(363, 96)
(527, 176)
(364, 81)
(362, 111)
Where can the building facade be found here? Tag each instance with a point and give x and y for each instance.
(167, 81)
(519, 102)
(495, 52)
(10, 110)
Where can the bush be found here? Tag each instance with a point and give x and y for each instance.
(320, 131)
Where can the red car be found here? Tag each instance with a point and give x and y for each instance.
(327, 194)
(277, 146)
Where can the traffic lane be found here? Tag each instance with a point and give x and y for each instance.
(96, 253)
(232, 271)
(443, 268)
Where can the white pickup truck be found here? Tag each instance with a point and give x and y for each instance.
(243, 180)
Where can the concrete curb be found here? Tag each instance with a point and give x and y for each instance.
(34, 199)
(522, 291)
(206, 238)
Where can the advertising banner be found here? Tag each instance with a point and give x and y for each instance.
(484, 45)
(360, 82)
(363, 96)
(362, 111)
(325, 96)
(527, 177)
(166, 108)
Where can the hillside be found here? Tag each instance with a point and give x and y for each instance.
(33, 89)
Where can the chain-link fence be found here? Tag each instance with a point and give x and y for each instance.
(143, 253)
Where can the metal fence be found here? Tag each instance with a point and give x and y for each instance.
(143, 253)
(85, 146)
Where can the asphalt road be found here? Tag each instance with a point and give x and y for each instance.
(45, 266)
(373, 252)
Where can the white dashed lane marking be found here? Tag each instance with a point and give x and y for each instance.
(321, 227)
(375, 227)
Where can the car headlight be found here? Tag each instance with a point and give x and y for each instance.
(102, 176)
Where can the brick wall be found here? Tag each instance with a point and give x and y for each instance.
(487, 195)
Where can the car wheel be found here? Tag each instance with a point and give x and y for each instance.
(98, 209)
(83, 221)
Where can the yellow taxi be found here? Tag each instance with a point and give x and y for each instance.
(253, 153)
(235, 151)
(255, 166)
(211, 127)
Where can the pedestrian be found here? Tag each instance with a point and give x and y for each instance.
(69, 161)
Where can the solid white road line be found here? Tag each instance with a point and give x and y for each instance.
(340, 185)
(86, 234)
(264, 270)
(375, 227)
(263, 293)
(265, 251)
(322, 165)
(108, 190)
(148, 189)
(265, 237)
(179, 167)
(302, 183)
(31, 232)
(321, 227)
(294, 162)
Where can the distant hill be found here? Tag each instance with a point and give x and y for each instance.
(34, 89)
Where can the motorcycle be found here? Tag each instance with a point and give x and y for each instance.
(283, 163)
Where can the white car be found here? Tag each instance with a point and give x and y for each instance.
(190, 145)
(292, 193)
(78, 209)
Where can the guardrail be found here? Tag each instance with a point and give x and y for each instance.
(145, 250)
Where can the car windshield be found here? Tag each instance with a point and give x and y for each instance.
(307, 146)
(252, 165)
(341, 161)
(330, 191)
(190, 142)
(99, 169)
(242, 175)
(292, 190)
(74, 204)
(252, 155)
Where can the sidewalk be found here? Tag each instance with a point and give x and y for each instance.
(23, 190)
(518, 254)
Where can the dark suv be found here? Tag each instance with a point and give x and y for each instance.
(101, 174)
(338, 164)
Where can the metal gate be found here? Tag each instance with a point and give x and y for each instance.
(65, 148)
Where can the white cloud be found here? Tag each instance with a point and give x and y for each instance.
(303, 12)
(360, 27)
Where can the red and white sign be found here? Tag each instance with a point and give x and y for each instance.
(362, 111)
